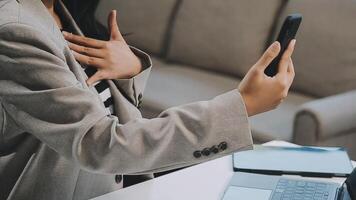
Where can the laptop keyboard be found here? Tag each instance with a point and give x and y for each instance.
(300, 190)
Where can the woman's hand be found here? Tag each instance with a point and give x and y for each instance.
(113, 59)
(262, 93)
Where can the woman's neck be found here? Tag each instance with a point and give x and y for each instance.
(50, 7)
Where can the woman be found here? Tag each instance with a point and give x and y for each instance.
(68, 130)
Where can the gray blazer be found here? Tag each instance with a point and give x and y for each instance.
(57, 140)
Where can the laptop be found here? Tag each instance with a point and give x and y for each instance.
(245, 186)
(294, 161)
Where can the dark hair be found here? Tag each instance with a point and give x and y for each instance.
(83, 12)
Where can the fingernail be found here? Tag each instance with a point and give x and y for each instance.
(293, 42)
(65, 33)
(275, 44)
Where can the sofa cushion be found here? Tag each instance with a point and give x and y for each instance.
(172, 85)
(325, 55)
(146, 19)
(226, 36)
(278, 124)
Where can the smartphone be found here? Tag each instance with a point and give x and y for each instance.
(288, 32)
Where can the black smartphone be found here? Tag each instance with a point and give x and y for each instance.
(288, 32)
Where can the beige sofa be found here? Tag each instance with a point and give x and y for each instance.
(202, 48)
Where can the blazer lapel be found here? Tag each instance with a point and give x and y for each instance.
(41, 15)
(38, 10)
(68, 17)
(71, 22)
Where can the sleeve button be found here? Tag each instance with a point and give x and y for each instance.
(118, 179)
(139, 103)
(206, 152)
(197, 154)
(223, 146)
(214, 149)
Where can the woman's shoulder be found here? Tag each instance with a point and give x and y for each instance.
(9, 12)
(14, 15)
(29, 26)
(28, 19)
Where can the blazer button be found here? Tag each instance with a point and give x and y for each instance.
(197, 154)
(118, 179)
(140, 96)
(214, 149)
(206, 152)
(223, 146)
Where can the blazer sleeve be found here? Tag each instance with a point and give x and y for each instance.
(133, 88)
(41, 95)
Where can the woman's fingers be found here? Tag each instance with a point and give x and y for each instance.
(87, 60)
(86, 50)
(113, 26)
(291, 71)
(284, 62)
(84, 41)
(268, 56)
(291, 67)
(95, 78)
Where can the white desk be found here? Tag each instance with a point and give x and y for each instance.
(206, 181)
